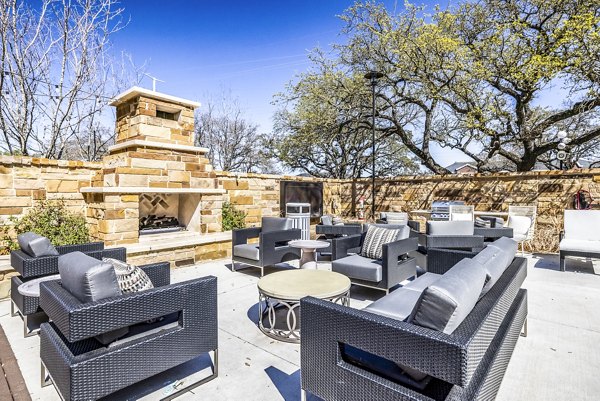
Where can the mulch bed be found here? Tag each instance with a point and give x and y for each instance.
(12, 384)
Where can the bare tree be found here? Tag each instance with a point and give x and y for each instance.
(233, 141)
(57, 74)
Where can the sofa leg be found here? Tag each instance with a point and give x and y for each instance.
(524, 332)
(302, 394)
(562, 261)
(12, 309)
(232, 265)
(45, 377)
(262, 271)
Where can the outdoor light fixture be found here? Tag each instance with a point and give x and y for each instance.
(562, 153)
(372, 77)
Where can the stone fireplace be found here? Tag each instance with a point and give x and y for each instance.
(153, 174)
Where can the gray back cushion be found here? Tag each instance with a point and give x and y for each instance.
(87, 278)
(495, 260)
(35, 245)
(507, 245)
(397, 218)
(448, 301)
(275, 224)
(403, 233)
(326, 220)
(450, 228)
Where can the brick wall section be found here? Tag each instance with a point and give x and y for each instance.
(25, 180)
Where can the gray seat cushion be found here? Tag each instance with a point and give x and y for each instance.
(36, 245)
(495, 260)
(358, 267)
(450, 227)
(449, 300)
(269, 224)
(248, 251)
(89, 279)
(582, 224)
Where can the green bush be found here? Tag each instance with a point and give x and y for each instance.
(232, 217)
(50, 219)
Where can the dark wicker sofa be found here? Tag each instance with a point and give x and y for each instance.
(350, 354)
(81, 368)
(30, 268)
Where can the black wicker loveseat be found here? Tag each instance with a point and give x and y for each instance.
(350, 354)
(30, 267)
(82, 368)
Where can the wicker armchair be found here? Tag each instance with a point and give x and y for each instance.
(350, 354)
(272, 247)
(326, 232)
(31, 268)
(395, 266)
(83, 369)
(459, 235)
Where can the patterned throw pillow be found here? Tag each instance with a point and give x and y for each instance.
(375, 238)
(131, 278)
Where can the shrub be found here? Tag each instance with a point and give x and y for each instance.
(50, 219)
(232, 217)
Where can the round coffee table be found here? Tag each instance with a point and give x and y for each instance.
(308, 259)
(279, 297)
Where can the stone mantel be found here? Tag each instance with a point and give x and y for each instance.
(151, 190)
(139, 143)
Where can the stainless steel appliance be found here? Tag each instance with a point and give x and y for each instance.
(440, 209)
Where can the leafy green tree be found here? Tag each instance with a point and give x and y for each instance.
(324, 127)
(472, 77)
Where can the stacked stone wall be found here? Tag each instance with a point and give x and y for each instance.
(26, 180)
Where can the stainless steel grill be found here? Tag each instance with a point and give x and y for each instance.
(440, 209)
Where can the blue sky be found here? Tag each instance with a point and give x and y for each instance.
(252, 48)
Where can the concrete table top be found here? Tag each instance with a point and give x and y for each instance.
(293, 285)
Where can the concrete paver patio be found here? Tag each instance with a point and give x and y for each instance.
(559, 360)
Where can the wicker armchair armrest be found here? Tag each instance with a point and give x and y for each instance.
(271, 239)
(326, 325)
(241, 236)
(78, 321)
(339, 230)
(340, 246)
(561, 235)
(87, 247)
(451, 241)
(414, 225)
(439, 261)
(494, 232)
(159, 273)
(29, 266)
(393, 251)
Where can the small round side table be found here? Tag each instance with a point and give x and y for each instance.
(309, 247)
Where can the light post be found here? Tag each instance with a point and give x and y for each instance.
(373, 76)
(561, 155)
